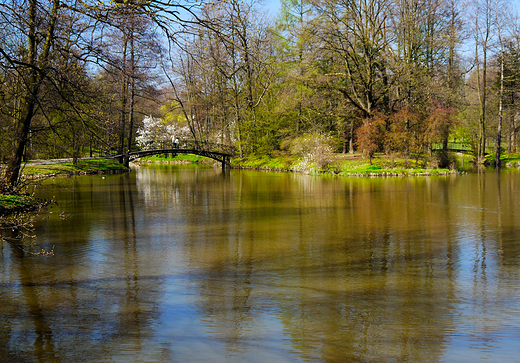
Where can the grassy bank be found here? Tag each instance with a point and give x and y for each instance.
(509, 160)
(339, 164)
(176, 159)
(342, 165)
(10, 204)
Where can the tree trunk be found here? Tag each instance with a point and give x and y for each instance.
(132, 98)
(124, 90)
(500, 115)
(36, 71)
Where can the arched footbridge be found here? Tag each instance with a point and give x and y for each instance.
(219, 152)
(454, 146)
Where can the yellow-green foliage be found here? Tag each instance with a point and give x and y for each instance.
(508, 160)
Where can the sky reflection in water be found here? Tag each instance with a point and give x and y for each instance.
(183, 264)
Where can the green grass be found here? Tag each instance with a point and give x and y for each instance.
(355, 168)
(275, 162)
(506, 158)
(14, 203)
(191, 158)
(344, 165)
(82, 167)
(387, 166)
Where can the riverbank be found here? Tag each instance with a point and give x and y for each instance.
(380, 166)
(343, 165)
(175, 159)
(339, 164)
(19, 203)
(509, 160)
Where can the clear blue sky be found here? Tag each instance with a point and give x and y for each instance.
(274, 5)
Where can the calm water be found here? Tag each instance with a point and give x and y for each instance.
(185, 264)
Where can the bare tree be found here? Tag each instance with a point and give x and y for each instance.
(483, 33)
(31, 66)
(355, 33)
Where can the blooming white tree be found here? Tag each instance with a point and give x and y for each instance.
(149, 132)
(315, 151)
(155, 130)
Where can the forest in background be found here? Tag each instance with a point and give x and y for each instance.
(81, 77)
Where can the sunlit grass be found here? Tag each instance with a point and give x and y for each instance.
(507, 159)
(189, 158)
(275, 162)
(346, 165)
(9, 203)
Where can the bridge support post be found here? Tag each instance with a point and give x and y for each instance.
(225, 160)
(126, 159)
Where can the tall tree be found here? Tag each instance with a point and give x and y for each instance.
(512, 84)
(499, 6)
(483, 33)
(294, 27)
(225, 72)
(31, 65)
(355, 34)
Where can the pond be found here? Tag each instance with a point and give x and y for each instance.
(195, 264)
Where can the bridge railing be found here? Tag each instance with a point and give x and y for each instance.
(453, 146)
(191, 144)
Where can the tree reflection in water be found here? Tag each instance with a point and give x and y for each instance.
(177, 264)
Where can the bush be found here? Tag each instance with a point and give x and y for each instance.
(315, 150)
(370, 136)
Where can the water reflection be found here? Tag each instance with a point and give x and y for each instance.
(92, 297)
(177, 264)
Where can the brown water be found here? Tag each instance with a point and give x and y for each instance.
(185, 264)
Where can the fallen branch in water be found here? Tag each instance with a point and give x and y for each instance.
(18, 230)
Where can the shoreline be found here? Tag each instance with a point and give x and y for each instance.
(341, 166)
(12, 204)
(381, 174)
(352, 166)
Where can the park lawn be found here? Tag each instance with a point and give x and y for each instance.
(343, 164)
(385, 166)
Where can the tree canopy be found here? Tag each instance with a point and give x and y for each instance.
(79, 76)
